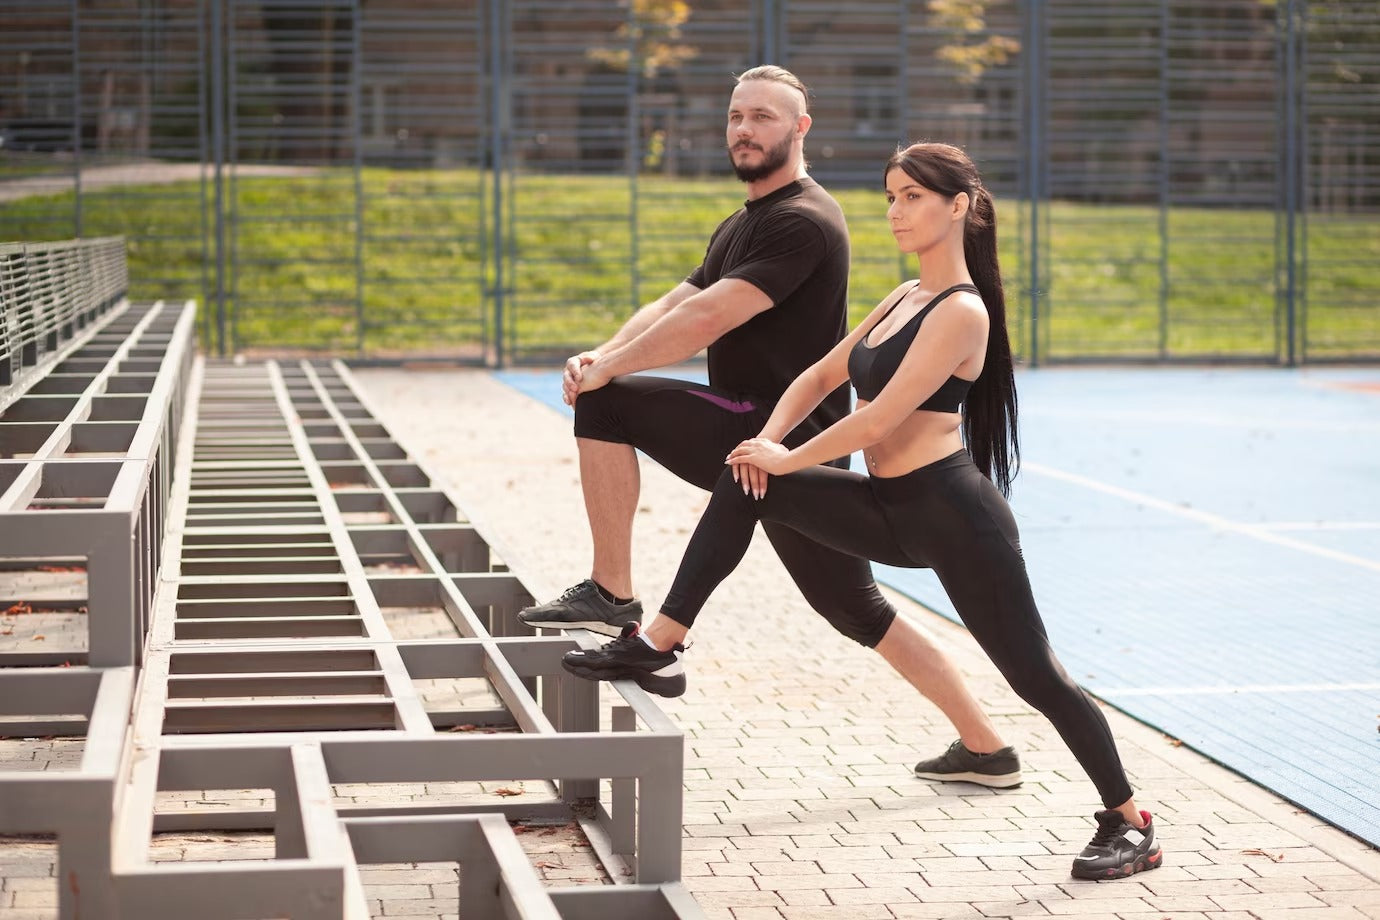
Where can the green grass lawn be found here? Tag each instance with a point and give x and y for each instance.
(576, 266)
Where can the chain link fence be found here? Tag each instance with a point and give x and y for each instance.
(505, 182)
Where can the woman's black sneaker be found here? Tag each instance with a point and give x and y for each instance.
(1000, 769)
(583, 606)
(629, 658)
(1119, 848)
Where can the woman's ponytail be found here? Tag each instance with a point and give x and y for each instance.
(989, 411)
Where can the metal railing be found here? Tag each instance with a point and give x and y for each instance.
(53, 297)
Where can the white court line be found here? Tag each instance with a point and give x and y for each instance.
(1180, 418)
(1320, 525)
(1260, 688)
(1202, 517)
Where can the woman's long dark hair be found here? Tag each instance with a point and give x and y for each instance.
(989, 410)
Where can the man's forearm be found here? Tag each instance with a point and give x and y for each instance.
(637, 324)
(671, 339)
(679, 326)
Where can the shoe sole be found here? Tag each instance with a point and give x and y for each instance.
(669, 687)
(598, 626)
(1139, 864)
(993, 780)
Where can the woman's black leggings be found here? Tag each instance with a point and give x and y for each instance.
(689, 428)
(945, 516)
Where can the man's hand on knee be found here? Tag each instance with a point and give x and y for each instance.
(573, 375)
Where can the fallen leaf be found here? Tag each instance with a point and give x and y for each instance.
(39, 638)
(505, 791)
(1254, 851)
(462, 728)
(15, 610)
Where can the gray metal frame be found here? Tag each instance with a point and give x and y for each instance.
(232, 571)
(74, 805)
(90, 374)
(106, 512)
(288, 624)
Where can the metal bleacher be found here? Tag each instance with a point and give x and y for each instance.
(233, 553)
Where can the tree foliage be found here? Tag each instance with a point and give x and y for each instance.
(649, 39)
(971, 50)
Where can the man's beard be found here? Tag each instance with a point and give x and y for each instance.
(772, 160)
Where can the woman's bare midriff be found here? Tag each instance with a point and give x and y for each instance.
(921, 439)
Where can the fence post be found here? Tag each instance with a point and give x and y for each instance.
(1163, 193)
(632, 160)
(497, 118)
(356, 136)
(1292, 169)
(1034, 21)
(76, 118)
(771, 32)
(216, 32)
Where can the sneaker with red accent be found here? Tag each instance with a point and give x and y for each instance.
(1119, 848)
(630, 658)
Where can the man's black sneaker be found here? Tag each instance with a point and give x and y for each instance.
(629, 658)
(583, 607)
(1000, 769)
(1119, 848)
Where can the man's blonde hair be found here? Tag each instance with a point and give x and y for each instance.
(774, 74)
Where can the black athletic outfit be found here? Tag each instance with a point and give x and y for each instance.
(793, 246)
(944, 516)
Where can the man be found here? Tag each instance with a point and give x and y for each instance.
(769, 299)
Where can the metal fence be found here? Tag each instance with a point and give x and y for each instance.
(505, 181)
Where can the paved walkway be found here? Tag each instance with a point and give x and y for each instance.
(800, 803)
(152, 173)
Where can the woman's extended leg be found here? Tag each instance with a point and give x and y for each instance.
(836, 512)
(832, 507)
(983, 571)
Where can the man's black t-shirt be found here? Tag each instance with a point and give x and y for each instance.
(793, 246)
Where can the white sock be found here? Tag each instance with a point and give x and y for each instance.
(643, 636)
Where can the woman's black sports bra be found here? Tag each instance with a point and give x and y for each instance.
(872, 367)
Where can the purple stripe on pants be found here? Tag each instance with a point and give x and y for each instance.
(722, 403)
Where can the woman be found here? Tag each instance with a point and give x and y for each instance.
(933, 372)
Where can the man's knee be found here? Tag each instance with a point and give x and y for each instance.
(598, 414)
